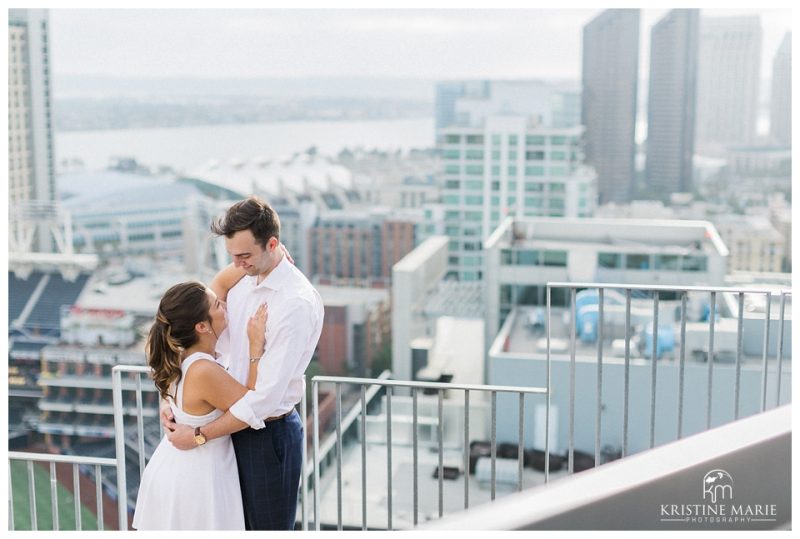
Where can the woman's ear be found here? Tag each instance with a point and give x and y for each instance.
(200, 327)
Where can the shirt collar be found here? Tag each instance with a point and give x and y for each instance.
(276, 277)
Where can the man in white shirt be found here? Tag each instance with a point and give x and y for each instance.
(266, 430)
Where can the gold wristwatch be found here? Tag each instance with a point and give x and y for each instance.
(199, 437)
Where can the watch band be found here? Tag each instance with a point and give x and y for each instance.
(198, 436)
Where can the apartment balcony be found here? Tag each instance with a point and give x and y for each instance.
(392, 454)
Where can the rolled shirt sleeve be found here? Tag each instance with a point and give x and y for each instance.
(285, 358)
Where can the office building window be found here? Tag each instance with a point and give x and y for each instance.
(533, 187)
(555, 258)
(695, 263)
(473, 200)
(637, 262)
(527, 257)
(609, 260)
(534, 140)
(667, 262)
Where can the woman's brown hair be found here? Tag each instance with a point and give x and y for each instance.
(173, 331)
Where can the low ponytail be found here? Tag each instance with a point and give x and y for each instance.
(163, 355)
(172, 332)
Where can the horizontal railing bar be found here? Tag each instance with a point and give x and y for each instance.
(69, 459)
(663, 288)
(131, 368)
(431, 385)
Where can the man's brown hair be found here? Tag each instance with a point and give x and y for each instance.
(251, 214)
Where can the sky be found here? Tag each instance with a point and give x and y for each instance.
(294, 43)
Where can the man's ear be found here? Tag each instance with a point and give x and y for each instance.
(273, 243)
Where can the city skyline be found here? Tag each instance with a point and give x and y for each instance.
(436, 44)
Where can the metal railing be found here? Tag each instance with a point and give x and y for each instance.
(119, 432)
(76, 462)
(325, 452)
(683, 291)
(414, 388)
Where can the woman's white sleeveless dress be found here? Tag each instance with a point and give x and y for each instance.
(196, 489)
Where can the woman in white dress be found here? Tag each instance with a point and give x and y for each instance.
(198, 489)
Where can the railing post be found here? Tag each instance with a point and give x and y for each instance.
(627, 371)
(780, 348)
(739, 332)
(711, 321)
(315, 449)
(54, 495)
(98, 486)
(767, 309)
(363, 458)
(521, 447)
(682, 366)
(466, 449)
(549, 391)
(304, 475)
(32, 497)
(76, 491)
(653, 372)
(140, 423)
(389, 456)
(494, 443)
(440, 438)
(339, 456)
(119, 438)
(599, 403)
(416, 455)
(10, 499)
(572, 339)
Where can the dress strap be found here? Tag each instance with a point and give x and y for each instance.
(184, 369)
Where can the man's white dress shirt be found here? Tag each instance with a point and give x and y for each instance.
(293, 328)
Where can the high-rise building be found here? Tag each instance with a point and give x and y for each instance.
(359, 247)
(566, 108)
(729, 65)
(448, 94)
(754, 243)
(780, 105)
(505, 166)
(671, 102)
(31, 172)
(460, 103)
(610, 75)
